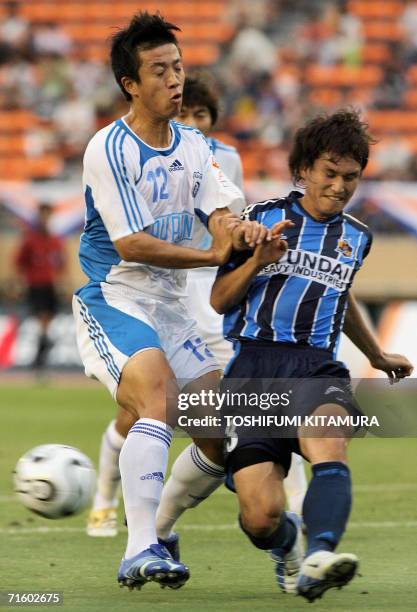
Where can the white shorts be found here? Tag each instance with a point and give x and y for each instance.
(113, 325)
(209, 323)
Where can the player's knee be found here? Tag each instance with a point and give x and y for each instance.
(124, 421)
(150, 400)
(261, 522)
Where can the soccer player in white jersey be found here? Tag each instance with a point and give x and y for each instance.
(200, 109)
(145, 179)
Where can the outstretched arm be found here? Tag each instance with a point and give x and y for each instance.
(394, 365)
(230, 288)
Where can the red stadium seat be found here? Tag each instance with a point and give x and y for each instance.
(17, 121)
(382, 30)
(375, 53)
(375, 9)
(206, 31)
(410, 99)
(395, 120)
(11, 145)
(327, 97)
(200, 54)
(22, 168)
(412, 75)
(343, 76)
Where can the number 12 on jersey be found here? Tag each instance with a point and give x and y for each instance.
(159, 178)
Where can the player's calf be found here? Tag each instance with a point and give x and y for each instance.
(283, 539)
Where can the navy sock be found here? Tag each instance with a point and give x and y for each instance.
(283, 537)
(327, 505)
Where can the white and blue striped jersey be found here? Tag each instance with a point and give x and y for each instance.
(302, 298)
(131, 187)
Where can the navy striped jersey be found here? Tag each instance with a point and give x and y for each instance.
(302, 298)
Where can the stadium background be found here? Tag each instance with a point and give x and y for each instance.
(277, 62)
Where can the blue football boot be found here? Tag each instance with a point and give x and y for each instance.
(153, 564)
(323, 570)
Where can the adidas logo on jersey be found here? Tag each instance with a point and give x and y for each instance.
(176, 165)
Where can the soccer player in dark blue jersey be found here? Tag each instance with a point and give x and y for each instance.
(286, 303)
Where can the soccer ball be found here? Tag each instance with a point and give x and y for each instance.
(54, 480)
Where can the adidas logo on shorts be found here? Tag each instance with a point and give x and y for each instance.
(333, 390)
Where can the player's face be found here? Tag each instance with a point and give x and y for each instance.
(196, 116)
(161, 81)
(330, 183)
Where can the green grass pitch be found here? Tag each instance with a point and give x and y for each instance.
(227, 573)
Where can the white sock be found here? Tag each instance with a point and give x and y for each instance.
(295, 484)
(193, 478)
(108, 477)
(143, 462)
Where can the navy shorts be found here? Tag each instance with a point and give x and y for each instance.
(42, 300)
(311, 376)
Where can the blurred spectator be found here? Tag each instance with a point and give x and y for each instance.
(50, 39)
(394, 158)
(14, 28)
(408, 24)
(252, 51)
(86, 75)
(390, 92)
(268, 108)
(52, 83)
(341, 36)
(19, 81)
(332, 36)
(40, 262)
(74, 122)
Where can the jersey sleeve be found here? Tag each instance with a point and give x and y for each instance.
(249, 213)
(237, 258)
(109, 171)
(216, 190)
(367, 246)
(237, 177)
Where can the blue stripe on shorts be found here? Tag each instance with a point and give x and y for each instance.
(128, 334)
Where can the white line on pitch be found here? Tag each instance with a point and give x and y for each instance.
(360, 488)
(221, 527)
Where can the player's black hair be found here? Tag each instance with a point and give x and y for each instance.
(144, 32)
(343, 134)
(199, 91)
